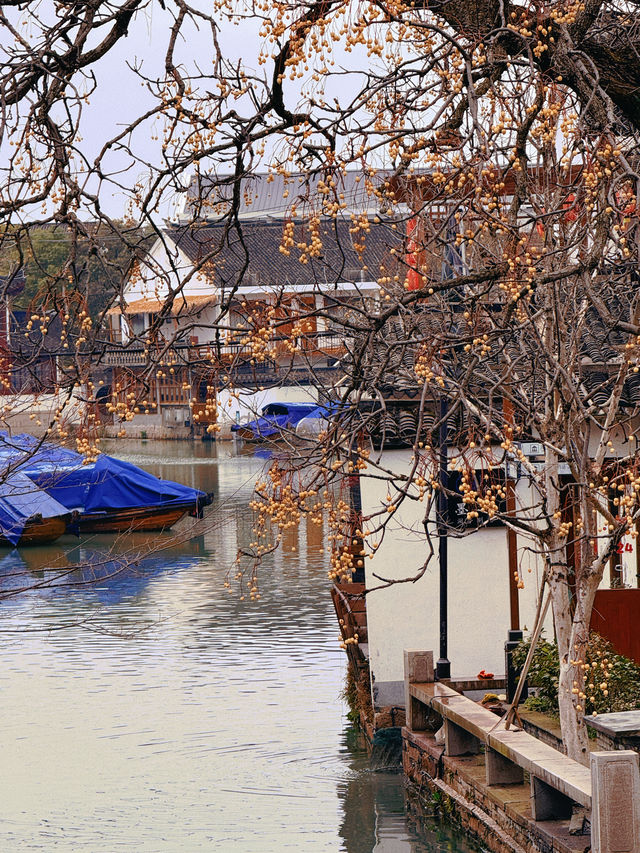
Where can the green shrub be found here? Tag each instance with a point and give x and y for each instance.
(543, 673)
(612, 681)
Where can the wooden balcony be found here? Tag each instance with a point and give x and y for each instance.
(313, 347)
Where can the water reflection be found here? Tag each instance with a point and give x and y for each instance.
(375, 811)
(148, 708)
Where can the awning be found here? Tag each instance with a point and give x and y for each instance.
(182, 304)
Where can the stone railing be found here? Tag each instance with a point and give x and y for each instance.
(609, 788)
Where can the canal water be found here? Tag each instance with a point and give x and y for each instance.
(148, 708)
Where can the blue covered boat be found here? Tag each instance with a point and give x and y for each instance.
(275, 418)
(107, 495)
(28, 515)
(318, 421)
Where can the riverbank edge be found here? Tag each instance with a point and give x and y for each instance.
(498, 817)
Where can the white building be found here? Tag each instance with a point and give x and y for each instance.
(249, 299)
(480, 588)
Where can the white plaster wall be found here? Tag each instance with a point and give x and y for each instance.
(189, 323)
(629, 563)
(407, 615)
(166, 264)
(530, 566)
(34, 412)
(206, 320)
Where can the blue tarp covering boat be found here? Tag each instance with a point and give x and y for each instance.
(316, 422)
(23, 506)
(108, 494)
(274, 419)
(107, 484)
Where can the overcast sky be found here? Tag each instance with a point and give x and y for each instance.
(121, 97)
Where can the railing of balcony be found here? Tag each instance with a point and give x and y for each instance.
(314, 345)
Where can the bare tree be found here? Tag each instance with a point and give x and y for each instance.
(497, 143)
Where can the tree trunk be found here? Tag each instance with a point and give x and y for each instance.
(570, 703)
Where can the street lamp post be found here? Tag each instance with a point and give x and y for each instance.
(443, 666)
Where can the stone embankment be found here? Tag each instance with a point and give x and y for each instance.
(509, 789)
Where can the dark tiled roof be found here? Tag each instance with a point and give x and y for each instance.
(388, 368)
(13, 284)
(209, 197)
(394, 422)
(28, 343)
(251, 254)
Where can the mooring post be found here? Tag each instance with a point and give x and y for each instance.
(615, 802)
(418, 669)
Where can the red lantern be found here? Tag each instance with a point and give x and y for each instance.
(414, 279)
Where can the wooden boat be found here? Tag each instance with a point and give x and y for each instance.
(125, 520)
(28, 515)
(107, 495)
(39, 531)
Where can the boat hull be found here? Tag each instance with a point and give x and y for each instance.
(124, 520)
(250, 436)
(38, 532)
